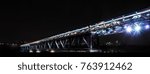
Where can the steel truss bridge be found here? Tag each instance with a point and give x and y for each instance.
(88, 37)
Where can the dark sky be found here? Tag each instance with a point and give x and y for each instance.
(25, 20)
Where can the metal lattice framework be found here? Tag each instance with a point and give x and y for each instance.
(83, 37)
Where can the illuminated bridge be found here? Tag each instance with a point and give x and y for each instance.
(90, 37)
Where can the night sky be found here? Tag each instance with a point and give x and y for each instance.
(25, 20)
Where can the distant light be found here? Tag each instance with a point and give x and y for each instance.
(137, 28)
(38, 51)
(52, 51)
(128, 29)
(147, 26)
(103, 31)
(30, 51)
(147, 14)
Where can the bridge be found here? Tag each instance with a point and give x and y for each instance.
(90, 38)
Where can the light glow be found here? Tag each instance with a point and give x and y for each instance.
(137, 28)
(147, 27)
(128, 29)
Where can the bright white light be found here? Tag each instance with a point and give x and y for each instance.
(52, 51)
(103, 31)
(38, 51)
(128, 29)
(137, 28)
(147, 27)
(30, 51)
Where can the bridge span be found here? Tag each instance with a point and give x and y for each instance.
(90, 37)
